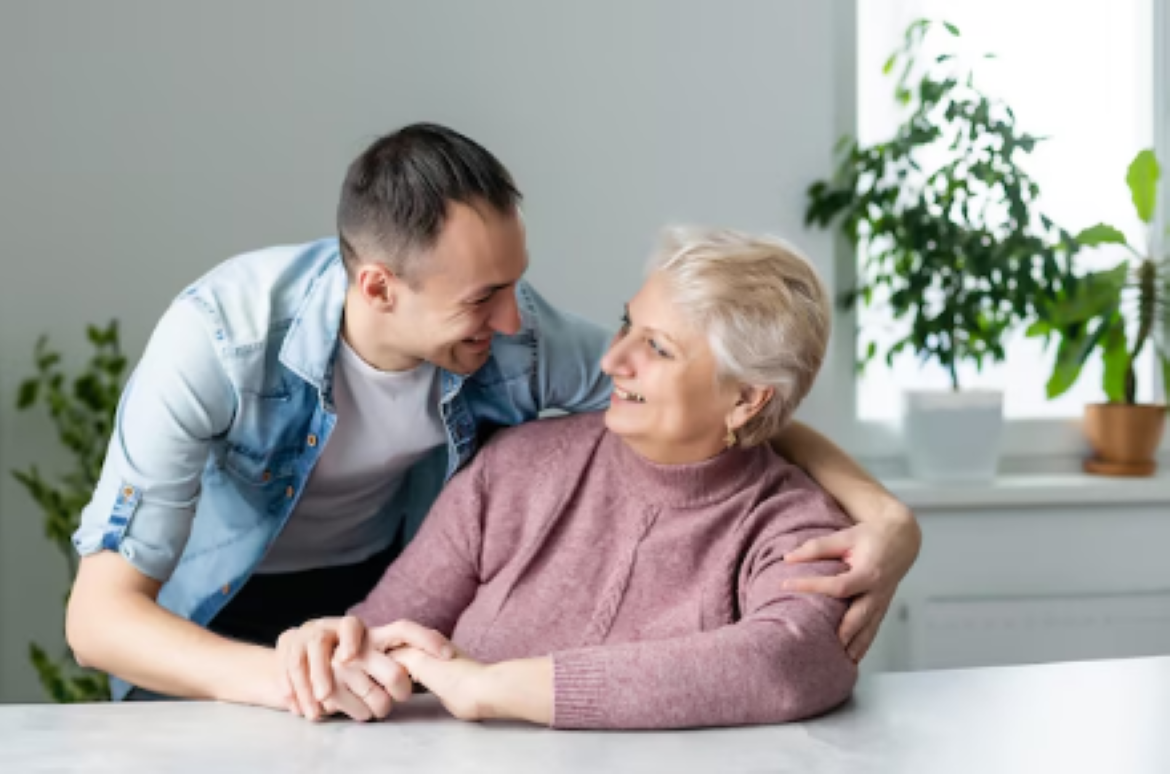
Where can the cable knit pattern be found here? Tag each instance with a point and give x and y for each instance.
(657, 590)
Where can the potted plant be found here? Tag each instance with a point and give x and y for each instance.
(82, 410)
(952, 245)
(1119, 313)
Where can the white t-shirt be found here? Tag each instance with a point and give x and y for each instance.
(386, 421)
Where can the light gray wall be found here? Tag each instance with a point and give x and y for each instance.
(143, 142)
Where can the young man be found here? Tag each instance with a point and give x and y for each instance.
(298, 409)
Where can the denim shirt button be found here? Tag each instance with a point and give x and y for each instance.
(289, 492)
(227, 589)
(312, 440)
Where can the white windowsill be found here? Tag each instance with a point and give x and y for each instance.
(1034, 490)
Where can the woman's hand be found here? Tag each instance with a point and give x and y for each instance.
(459, 683)
(879, 553)
(330, 666)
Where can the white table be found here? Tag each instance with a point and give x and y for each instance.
(1106, 716)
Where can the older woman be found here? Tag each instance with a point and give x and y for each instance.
(626, 570)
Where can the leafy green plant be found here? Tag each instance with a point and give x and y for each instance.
(82, 410)
(944, 216)
(1119, 311)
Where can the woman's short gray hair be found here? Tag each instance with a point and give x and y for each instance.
(763, 306)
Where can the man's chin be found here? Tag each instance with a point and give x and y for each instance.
(465, 363)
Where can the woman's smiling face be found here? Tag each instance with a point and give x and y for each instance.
(667, 402)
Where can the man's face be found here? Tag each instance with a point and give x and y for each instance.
(465, 290)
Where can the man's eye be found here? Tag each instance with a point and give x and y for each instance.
(625, 327)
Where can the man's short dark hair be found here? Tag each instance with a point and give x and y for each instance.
(395, 196)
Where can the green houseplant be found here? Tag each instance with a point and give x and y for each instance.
(82, 411)
(952, 245)
(1118, 313)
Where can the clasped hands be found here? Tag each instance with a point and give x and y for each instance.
(337, 666)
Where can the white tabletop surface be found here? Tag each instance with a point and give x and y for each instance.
(1105, 716)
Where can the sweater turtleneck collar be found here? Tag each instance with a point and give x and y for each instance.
(688, 485)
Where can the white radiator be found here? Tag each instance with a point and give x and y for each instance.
(968, 632)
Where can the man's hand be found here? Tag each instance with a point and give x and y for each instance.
(879, 554)
(329, 665)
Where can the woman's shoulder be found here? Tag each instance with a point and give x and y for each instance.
(791, 499)
(534, 441)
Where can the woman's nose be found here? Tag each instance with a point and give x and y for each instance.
(616, 361)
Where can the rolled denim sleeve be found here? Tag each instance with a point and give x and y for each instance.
(175, 403)
(568, 372)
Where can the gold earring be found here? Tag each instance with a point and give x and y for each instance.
(730, 440)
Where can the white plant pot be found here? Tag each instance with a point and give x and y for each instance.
(953, 436)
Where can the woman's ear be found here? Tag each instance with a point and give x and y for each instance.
(750, 402)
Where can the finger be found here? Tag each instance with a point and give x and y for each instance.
(349, 704)
(401, 633)
(350, 636)
(856, 617)
(834, 546)
(356, 681)
(298, 670)
(388, 673)
(320, 654)
(860, 644)
(841, 586)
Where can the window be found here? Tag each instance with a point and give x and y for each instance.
(1081, 72)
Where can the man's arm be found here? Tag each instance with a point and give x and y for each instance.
(136, 525)
(115, 624)
(880, 550)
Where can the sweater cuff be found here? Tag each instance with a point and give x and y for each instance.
(578, 683)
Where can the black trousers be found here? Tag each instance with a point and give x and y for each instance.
(268, 605)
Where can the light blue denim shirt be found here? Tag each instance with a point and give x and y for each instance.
(231, 405)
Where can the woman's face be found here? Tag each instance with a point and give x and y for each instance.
(666, 402)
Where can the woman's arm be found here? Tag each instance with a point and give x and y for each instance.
(781, 661)
(879, 551)
(426, 588)
(436, 577)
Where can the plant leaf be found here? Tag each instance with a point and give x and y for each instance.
(1166, 379)
(1038, 328)
(951, 29)
(1100, 234)
(1116, 360)
(1071, 357)
(28, 393)
(1142, 178)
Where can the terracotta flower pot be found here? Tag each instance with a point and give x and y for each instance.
(1124, 438)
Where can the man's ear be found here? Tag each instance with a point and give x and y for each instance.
(378, 285)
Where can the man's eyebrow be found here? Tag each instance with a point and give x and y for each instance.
(487, 290)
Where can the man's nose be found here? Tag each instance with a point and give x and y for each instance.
(505, 317)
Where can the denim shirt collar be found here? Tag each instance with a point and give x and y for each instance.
(311, 343)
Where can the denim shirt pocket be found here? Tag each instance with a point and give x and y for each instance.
(262, 478)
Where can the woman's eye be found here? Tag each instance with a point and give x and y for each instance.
(625, 326)
(657, 349)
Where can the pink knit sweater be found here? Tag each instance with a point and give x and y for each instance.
(655, 589)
